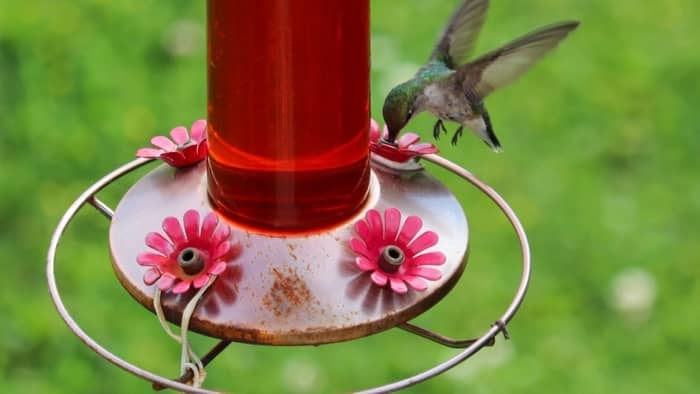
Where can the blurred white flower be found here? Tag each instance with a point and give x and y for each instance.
(633, 294)
(300, 375)
(183, 38)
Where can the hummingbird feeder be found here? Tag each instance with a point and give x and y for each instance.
(284, 219)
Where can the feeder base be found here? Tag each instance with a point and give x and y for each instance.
(290, 290)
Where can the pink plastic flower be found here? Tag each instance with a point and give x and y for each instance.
(408, 145)
(186, 258)
(395, 254)
(183, 150)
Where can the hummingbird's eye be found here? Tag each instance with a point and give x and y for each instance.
(410, 113)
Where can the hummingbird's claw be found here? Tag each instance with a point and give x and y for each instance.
(457, 135)
(436, 129)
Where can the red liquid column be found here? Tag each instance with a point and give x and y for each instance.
(288, 111)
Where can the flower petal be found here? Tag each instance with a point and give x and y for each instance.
(398, 285)
(191, 222)
(151, 276)
(159, 243)
(391, 152)
(392, 221)
(424, 148)
(415, 282)
(359, 247)
(221, 234)
(365, 264)
(423, 242)
(408, 139)
(374, 222)
(200, 281)
(373, 130)
(362, 229)
(182, 286)
(425, 272)
(172, 228)
(410, 228)
(150, 259)
(218, 269)
(149, 152)
(166, 281)
(202, 150)
(190, 155)
(208, 226)
(163, 143)
(199, 131)
(431, 258)
(221, 250)
(179, 135)
(175, 159)
(379, 278)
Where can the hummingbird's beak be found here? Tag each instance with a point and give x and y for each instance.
(391, 136)
(388, 141)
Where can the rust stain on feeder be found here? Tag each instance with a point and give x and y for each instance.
(292, 254)
(288, 293)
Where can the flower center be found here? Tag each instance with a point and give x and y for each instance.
(191, 261)
(391, 259)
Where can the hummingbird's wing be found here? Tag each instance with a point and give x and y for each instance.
(504, 65)
(456, 42)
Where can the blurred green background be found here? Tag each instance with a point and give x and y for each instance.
(601, 162)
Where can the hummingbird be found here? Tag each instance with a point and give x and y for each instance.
(453, 88)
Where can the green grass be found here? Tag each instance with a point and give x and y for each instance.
(601, 162)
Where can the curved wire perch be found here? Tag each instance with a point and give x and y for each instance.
(500, 325)
(89, 197)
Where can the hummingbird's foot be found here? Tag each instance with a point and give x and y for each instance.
(457, 135)
(436, 129)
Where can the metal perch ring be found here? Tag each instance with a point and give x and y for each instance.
(472, 346)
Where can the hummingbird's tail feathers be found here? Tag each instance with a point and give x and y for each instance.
(481, 127)
(486, 131)
(502, 66)
(494, 145)
(490, 138)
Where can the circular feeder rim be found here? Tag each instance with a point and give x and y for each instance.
(301, 296)
(89, 196)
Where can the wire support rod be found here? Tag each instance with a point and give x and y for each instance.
(441, 339)
(101, 207)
